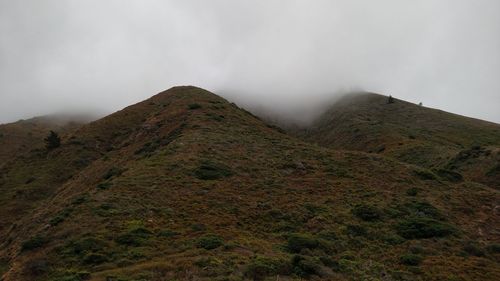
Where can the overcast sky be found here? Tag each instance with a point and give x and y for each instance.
(106, 54)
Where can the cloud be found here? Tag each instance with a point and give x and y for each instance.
(283, 55)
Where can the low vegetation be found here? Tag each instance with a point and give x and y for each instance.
(165, 190)
(420, 228)
(212, 171)
(367, 212)
(194, 106)
(134, 236)
(261, 267)
(34, 243)
(210, 242)
(60, 217)
(411, 259)
(298, 242)
(305, 266)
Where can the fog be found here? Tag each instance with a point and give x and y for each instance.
(287, 56)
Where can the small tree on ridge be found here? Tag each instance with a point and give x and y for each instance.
(52, 141)
(390, 99)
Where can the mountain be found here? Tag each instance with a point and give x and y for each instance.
(187, 186)
(25, 135)
(450, 144)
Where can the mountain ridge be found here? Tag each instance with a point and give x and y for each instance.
(414, 134)
(187, 185)
(18, 137)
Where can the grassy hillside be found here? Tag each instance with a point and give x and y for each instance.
(414, 134)
(186, 186)
(25, 135)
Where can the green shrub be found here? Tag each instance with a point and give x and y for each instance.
(33, 243)
(84, 246)
(261, 267)
(194, 106)
(210, 242)
(135, 236)
(198, 227)
(60, 217)
(212, 171)
(425, 174)
(412, 191)
(411, 259)
(150, 147)
(167, 233)
(417, 249)
(95, 258)
(216, 117)
(104, 185)
(348, 255)
(393, 239)
(419, 228)
(297, 242)
(30, 180)
(450, 175)
(83, 275)
(105, 210)
(420, 208)
(56, 220)
(493, 248)
(355, 230)
(206, 262)
(314, 209)
(417, 209)
(113, 172)
(71, 276)
(473, 249)
(79, 200)
(328, 235)
(136, 254)
(37, 267)
(130, 239)
(349, 266)
(305, 266)
(330, 262)
(495, 170)
(367, 212)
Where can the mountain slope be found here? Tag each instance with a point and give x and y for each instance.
(25, 135)
(188, 186)
(414, 134)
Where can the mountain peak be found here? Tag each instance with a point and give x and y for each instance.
(185, 92)
(186, 185)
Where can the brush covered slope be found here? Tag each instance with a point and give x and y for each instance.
(186, 186)
(25, 135)
(453, 146)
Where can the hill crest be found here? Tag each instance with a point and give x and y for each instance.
(411, 133)
(187, 185)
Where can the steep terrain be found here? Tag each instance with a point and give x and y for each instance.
(186, 186)
(452, 145)
(25, 135)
